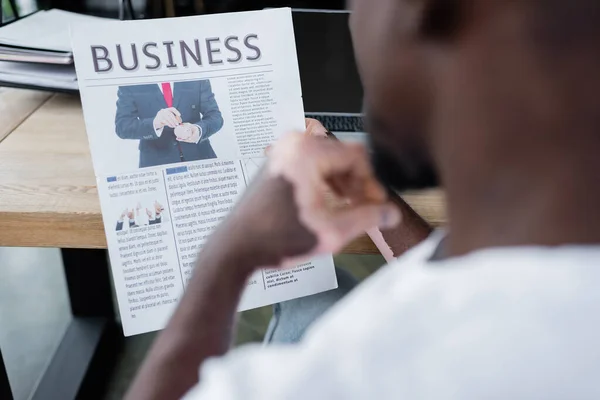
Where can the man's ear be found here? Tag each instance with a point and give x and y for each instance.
(440, 19)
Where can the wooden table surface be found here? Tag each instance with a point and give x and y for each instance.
(48, 194)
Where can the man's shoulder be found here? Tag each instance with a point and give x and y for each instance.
(137, 89)
(194, 85)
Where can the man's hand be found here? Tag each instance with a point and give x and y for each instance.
(138, 207)
(123, 215)
(188, 133)
(170, 117)
(314, 128)
(284, 214)
(130, 214)
(149, 213)
(158, 208)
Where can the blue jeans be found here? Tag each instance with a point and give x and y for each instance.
(292, 318)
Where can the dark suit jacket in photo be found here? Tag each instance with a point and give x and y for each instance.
(137, 106)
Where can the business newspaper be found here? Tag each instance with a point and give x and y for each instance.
(178, 114)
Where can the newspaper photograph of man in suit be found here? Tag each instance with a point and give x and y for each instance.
(173, 121)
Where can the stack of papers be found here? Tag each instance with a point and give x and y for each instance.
(35, 51)
(34, 75)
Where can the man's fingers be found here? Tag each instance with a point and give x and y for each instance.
(174, 111)
(172, 120)
(340, 157)
(314, 165)
(170, 117)
(314, 128)
(168, 121)
(344, 168)
(345, 225)
(348, 172)
(181, 134)
(357, 189)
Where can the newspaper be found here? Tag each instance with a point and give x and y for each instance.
(178, 114)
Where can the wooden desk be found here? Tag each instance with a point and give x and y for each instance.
(48, 194)
(48, 198)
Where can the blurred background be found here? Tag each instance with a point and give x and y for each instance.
(160, 8)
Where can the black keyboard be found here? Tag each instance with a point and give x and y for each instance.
(339, 123)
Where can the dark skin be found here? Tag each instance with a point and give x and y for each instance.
(501, 103)
(495, 96)
(536, 152)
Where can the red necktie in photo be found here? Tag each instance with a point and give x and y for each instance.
(167, 93)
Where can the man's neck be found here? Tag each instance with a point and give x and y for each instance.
(547, 198)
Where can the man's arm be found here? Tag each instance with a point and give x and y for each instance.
(156, 220)
(212, 120)
(128, 125)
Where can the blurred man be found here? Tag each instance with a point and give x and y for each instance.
(172, 120)
(495, 99)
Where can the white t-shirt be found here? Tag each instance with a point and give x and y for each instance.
(500, 323)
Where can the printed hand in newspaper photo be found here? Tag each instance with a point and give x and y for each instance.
(188, 133)
(158, 208)
(121, 221)
(284, 216)
(170, 117)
